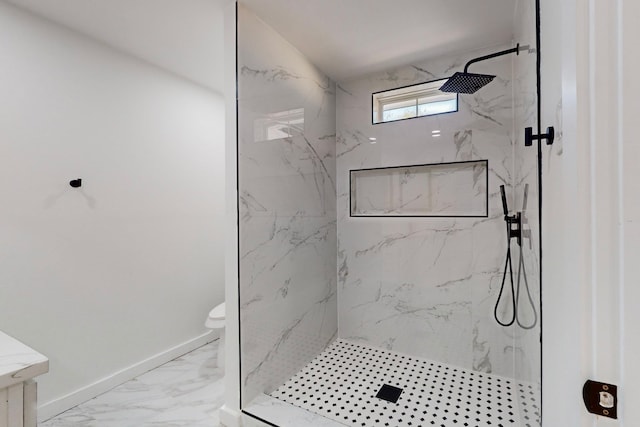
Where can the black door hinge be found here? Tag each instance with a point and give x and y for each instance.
(529, 137)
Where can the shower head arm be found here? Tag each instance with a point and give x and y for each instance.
(515, 50)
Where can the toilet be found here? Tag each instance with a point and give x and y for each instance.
(216, 321)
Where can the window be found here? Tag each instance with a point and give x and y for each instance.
(408, 102)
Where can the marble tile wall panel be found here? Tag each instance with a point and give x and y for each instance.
(426, 286)
(287, 208)
(526, 195)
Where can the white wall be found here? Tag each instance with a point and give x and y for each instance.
(590, 208)
(565, 302)
(629, 220)
(103, 277)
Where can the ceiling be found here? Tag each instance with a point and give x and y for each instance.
(344, 38)
(182, 36)
(347, 38)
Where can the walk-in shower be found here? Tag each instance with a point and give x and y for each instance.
(371, 261)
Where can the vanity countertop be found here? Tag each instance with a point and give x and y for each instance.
(19, 362)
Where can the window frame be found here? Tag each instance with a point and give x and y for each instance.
(408, 96)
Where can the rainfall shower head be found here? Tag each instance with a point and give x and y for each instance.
(466, 82)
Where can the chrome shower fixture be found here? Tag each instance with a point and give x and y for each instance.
(466, 82)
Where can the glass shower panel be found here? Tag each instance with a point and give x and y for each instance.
(287, 231)
(351, 311)
(527, 330)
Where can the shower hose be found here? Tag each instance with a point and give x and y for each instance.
(515, 290)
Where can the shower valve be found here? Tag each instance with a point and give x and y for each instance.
(514, 224)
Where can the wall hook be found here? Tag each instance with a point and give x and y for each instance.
(75, 183)
(529, 136)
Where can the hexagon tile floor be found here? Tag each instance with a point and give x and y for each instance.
(343, 382)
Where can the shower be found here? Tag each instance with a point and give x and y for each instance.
(469, 83)
(368, 272)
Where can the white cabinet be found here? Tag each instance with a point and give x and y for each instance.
(19, 364)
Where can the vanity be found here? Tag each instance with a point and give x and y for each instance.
(19, 365)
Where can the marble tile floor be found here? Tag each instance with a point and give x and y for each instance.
(187, 391)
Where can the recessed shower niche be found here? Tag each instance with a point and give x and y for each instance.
(456, 189)
(373, 255)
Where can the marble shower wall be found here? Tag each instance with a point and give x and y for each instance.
(526, 195)
(286, 137)
(427, 286)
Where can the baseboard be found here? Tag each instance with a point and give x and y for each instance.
(230, 417)
(57, 406)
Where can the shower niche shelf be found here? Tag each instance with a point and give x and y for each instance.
(455, 189)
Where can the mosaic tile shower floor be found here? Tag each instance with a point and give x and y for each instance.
(341, 383)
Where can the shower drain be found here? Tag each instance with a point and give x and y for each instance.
(389, 393)
(363, 386)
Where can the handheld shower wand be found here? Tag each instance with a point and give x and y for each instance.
(514, 229)
(507, 263)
